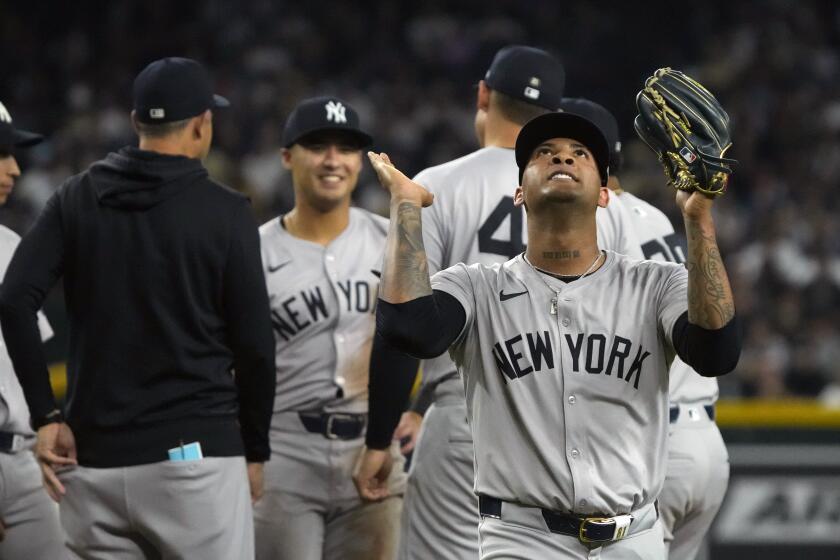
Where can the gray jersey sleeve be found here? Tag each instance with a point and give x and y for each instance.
(456, 282)
(673, 299)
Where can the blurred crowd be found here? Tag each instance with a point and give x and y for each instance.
(410, 70)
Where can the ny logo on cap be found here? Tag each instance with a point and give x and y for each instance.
(336, 112)
(4, 114)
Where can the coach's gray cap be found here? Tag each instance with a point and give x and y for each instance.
(528, 74)
(14, 137)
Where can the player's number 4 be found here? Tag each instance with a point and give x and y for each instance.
(487, 243)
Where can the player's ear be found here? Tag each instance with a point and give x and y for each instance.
(286, 157)
(482, 97)
(519, 197)
(604, 197)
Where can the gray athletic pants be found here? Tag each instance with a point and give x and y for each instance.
(521, 534)
(168, 510)
(310, 509)
(33, 529)
(695, 483)
(440, 514)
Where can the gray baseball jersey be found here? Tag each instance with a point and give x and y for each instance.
(659, 242)
(567, 384)
(473, 220)
(322, 308)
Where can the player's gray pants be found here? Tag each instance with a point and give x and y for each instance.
(310, 509)
(33, 529)
(167, 510)
(440, 514)
(695, 482)
(521, 534)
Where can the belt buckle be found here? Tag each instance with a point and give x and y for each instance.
(620, 524)
(18, 443)
(328, 433)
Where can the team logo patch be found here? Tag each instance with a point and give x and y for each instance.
(157, 113)
(336, 112)
(532, 93)
(688, 155)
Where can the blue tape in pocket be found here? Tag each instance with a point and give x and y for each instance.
(189, 452)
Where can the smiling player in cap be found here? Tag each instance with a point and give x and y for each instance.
(563, 350)
(322, 263)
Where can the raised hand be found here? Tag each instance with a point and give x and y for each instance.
(402, 188)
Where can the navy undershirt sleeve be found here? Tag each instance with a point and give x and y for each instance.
(711, 352)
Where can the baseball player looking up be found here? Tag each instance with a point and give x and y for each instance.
(474, 220)
(29, 525)
(697, 473)
(166, 299)
(322, 264)
(564, 350)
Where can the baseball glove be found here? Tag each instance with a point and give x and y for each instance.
(683, 123)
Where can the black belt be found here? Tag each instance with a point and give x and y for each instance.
(11, 442)
(674, 412)
(334, 425)
(587, 529)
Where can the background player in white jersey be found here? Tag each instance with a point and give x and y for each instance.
(698, 464)
(322, 263)
(564, 351)
(29, 525)
(474, 220)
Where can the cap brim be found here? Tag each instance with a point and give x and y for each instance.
(219, 101)
(562, 125)
(24, 139)
(363, 139)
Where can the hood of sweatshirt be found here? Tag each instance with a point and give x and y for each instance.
(135, 179)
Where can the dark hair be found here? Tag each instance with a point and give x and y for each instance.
(515, 110)
(160, 130)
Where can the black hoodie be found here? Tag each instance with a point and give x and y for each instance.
(165, 297)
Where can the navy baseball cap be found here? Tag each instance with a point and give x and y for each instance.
(528, 74)
(318, 114)
(601, 117)
(173, 89)
(14, 137)
(563, 125)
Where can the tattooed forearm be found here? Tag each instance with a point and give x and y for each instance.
(406, 274)
(561, 254)
(710, 301)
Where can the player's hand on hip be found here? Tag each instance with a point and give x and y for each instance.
(55, 449)
(371, 474)
(408, 430)
(402, 188)
(255, 481)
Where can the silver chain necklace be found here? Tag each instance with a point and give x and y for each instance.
(553, 309)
